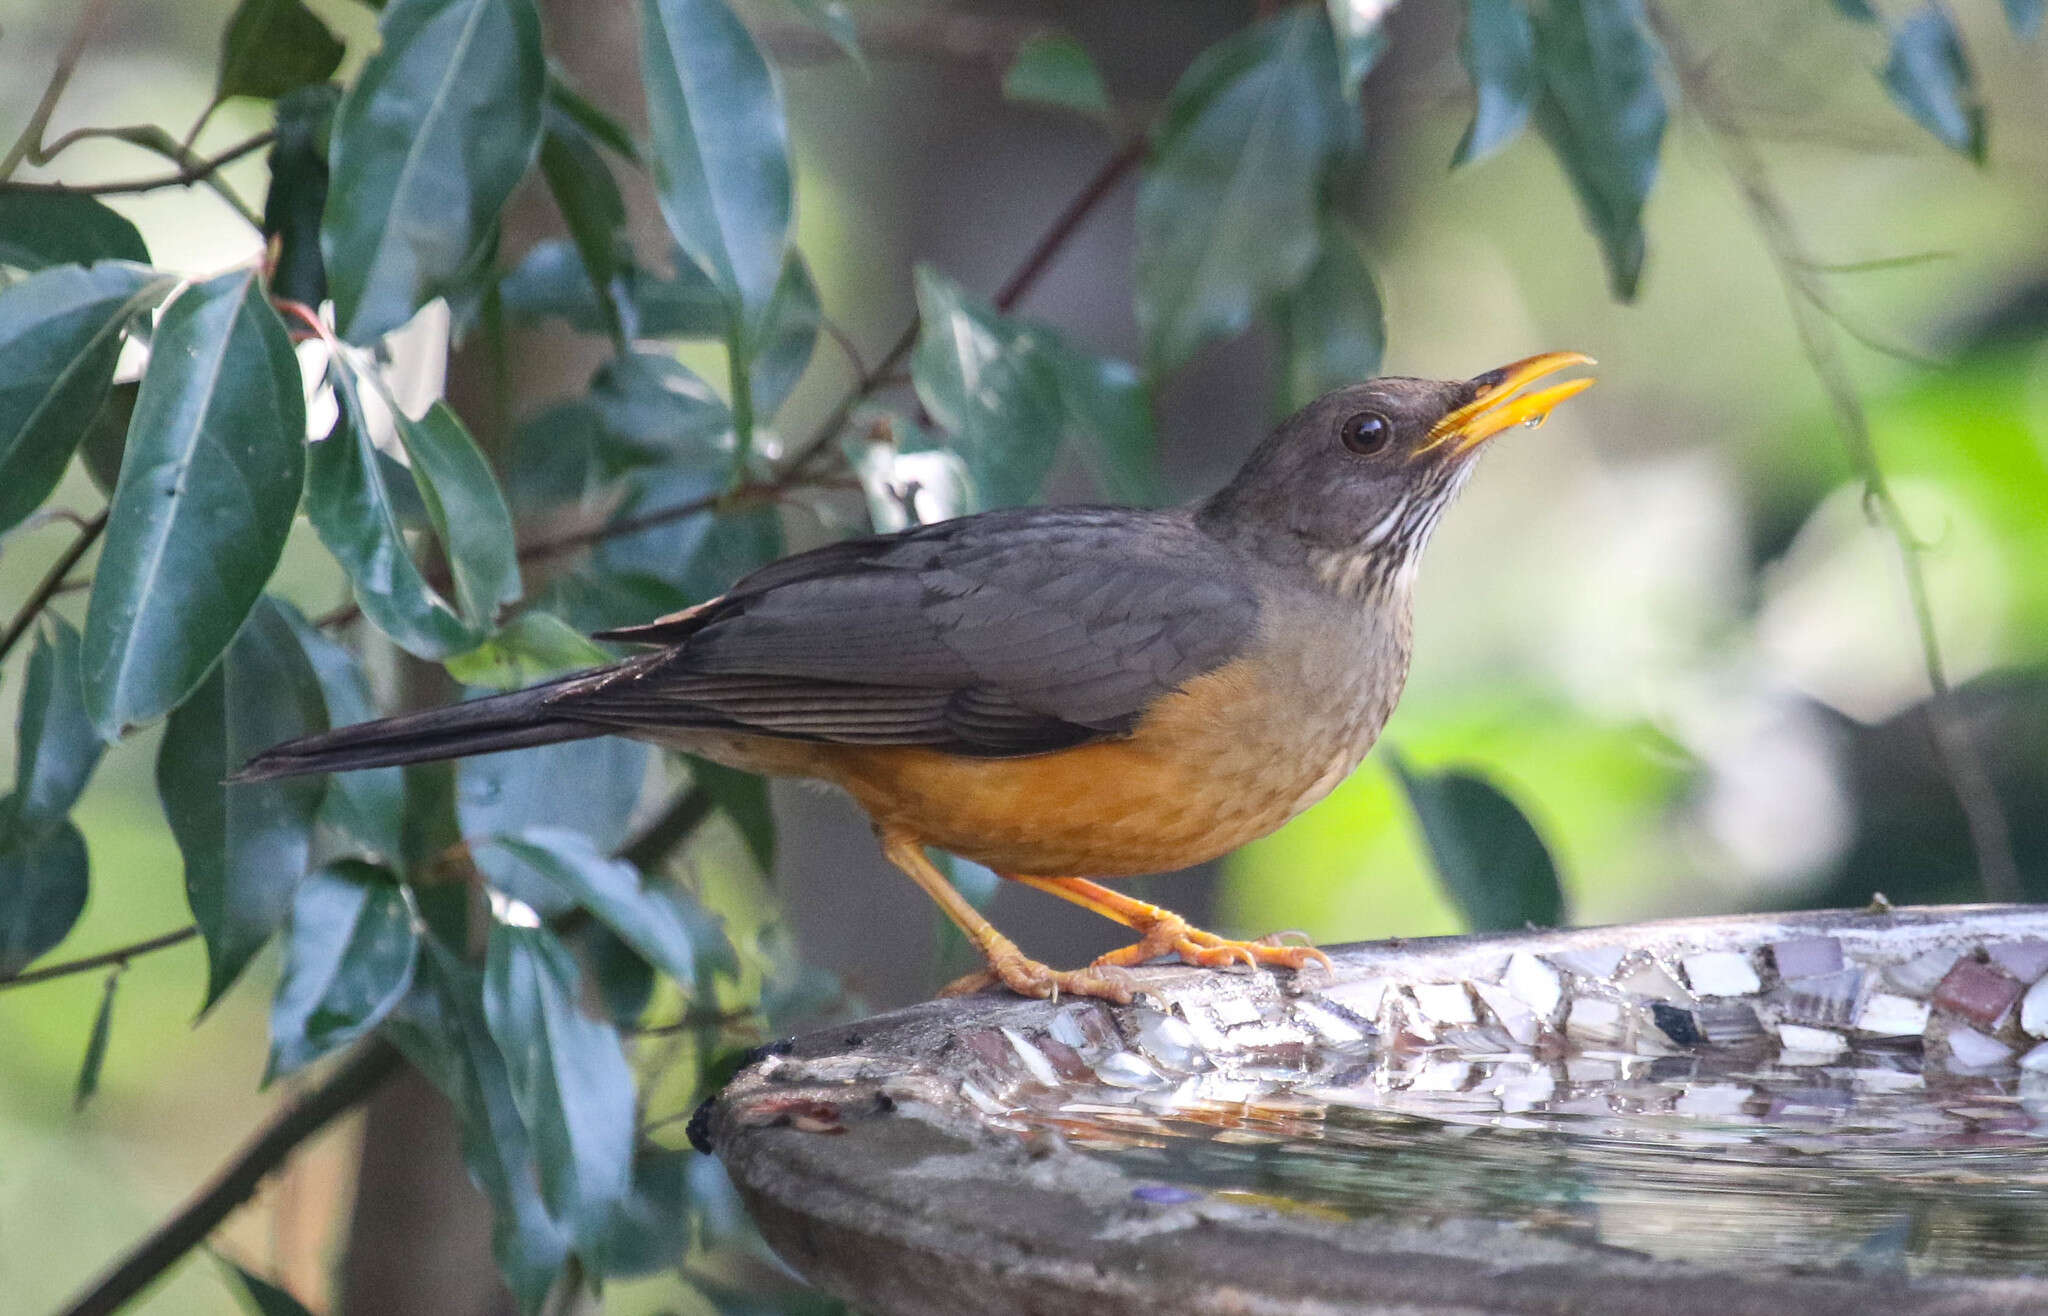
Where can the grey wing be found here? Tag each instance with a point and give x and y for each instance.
(1009, 633)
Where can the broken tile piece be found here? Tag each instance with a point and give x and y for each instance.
(1721, 973)
(1035, 1060)
(1590, 961)
(2025, 960)
(1714, 1099)
(1806, 957)
(1332, 1023)
(1595, 1020)
(1444, 1002)
(1973, 1050)
(1826, 1000)
(2034, 1009)
(2036, 1060)
(1918, 976)
(1727, 1023)
(1362, 997)
(1126, 1070)
(1649, 979)
(1676, 1023)
(1886, 1015)
(1165, 1040)
(1510, 1011)
(1533, 982)
(1976, 991)
(1806, 1046)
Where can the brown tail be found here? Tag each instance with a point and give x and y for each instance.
(511, 721)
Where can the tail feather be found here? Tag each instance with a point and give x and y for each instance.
(481, 726)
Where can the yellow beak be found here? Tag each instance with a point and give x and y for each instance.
(1498, 408)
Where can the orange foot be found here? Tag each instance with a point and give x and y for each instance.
(1170, 934)
(1027, 977)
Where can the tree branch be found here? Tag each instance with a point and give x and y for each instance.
(52, 582)
(190, 170)
(357, 1077)
(119, 955)
(1813, 319)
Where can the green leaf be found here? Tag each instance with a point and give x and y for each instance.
(60, 335)
(209, 485)
(442, 1030)
(347, 964)
(601, 127)
(1488, 855)
(530, 648)
(1602, 111)
(789, 335)
(568, 1076)
(742, 797)
(260, 1297)
(660, 411)
(273, 47)
(245, 846)
(1361, 37)
(1011, 390)
(1930, 78)
(467, 511)
(550, 280)
(106, 438)
(298, 192)
(625, 981)
(651, 1229)
(595, 214)
(56, 750)
(1054, 69)
(835, 20)
(720, 145)
(2024, 17)
(649, 919)
(96, 1043)
(40, 229)
(428, 144)
(43, 881)
(586, 786)
(1227, 204)
(1332, 329)
(1499, 51)
(367, 805)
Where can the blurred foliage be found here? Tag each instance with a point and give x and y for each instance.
(576, 943)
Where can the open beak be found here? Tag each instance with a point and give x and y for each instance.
(1498, 406)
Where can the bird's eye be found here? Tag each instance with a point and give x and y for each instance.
(1367, 433)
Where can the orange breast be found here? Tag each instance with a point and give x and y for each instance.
(1208, 769)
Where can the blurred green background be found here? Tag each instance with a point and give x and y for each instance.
(1663, 624)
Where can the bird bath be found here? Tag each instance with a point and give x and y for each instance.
(1812, 1113)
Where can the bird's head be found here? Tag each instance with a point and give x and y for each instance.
(1353, 483)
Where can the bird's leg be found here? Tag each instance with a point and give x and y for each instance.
(1163, 932)
(1006, 964)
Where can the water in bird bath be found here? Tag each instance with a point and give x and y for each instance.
(1818, 1102)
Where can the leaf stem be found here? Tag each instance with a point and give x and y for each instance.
(190, 170)
(1814, 320)
(51, 584)
(118, 956)
(30, 142)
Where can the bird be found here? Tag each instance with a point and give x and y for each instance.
(1063, 694)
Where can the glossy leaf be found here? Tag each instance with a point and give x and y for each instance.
(88, 1084)
(245, 846)
(298, 192)
(1602, 111)
(1010, 391)
(1499, 52)
(1930, 78)
(789, 335)
(467, 511)
(260, 1297)
(568, 1077)
(43, 880)
(551, 280)
(428, 144)
(273, 47)
(41, 229)
(1360, 26)
(651, 1230)
(442, 1030)
(367, 805)
(835, 19)
(595, 215)
(589, 786)
(1227, 204)
(595, 123)
(647, 918)
(60, 335)
(625, 981)
(209, 485)
(658, 409)
(1332, 329)
(106, 438)
(720, 146)
(56, 749)
(347, 964)
(1108, 408)
(742, 797)
(530, 648)
(1054, 69)
(1488, 855)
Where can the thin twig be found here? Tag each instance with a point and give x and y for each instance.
(52, 582)
(31, 138)
(1990, 833)
(1069, 222)
(118, 955)
(354, 1081)
(193, 171)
